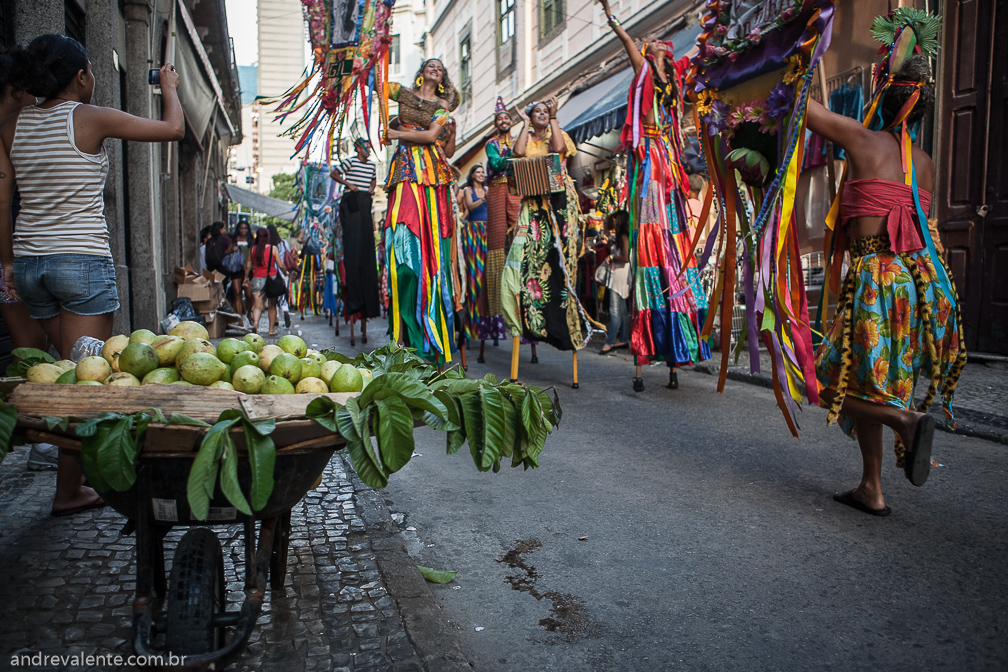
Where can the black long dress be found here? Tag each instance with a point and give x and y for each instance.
(360, 266)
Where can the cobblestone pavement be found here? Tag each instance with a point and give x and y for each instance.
(69, 582)
(981, 398)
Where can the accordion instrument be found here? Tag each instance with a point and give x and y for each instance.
(535, 176)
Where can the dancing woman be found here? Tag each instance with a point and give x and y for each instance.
(897, 315)
(668, 307)
(419, 220)
(474, 246)
(537, 290)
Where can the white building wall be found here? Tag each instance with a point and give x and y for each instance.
(281, 65)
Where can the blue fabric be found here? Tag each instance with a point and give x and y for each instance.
(847, 100)
(480, 213)
(619, 320)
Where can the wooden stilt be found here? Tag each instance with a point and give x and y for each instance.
(514, 359)
(462, 355)
(574, 364)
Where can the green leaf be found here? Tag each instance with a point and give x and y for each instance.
(413, 392)
(511, 427)
(203, 473)
(361, 461)
(8, 421)
(89, 462)
(394, 431)
(229, 477)
(115, 454)
(471, 412)
(490, 378)
(90, 427)
(454, 440)
(493, 426)
(52, 422)
(334, 356)
(435, 575)
(32, 354)
(321, 410)
(262, 458)
(182, 419)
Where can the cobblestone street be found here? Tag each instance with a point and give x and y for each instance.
(70, 582)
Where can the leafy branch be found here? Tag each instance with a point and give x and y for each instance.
(499, 420)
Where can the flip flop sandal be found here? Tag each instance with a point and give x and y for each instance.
(847, 498)
(917, 462)
(97, 504)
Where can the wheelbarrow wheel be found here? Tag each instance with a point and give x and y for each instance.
(195, 594)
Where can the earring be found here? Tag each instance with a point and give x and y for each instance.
(419, 81)
(440, 89)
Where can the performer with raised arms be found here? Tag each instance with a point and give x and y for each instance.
(420, 218)
(502, 216)
(668, 307)
(897, 315)
(537, 290)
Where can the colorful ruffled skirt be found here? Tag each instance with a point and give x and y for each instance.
(668, 311)
(419, 224)
(537, 291)
(893, 323)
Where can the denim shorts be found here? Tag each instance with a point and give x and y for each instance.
(82, 284)
(258, 284)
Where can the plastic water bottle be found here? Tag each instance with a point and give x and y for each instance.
(86, 346)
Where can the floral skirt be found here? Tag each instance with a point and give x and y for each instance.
(537, 290)
(893, 323)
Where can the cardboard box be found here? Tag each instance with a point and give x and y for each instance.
(216, 324)
(210, 294)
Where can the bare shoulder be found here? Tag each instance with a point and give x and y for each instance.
(925, 169)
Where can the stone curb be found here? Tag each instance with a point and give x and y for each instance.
(435, 643)
(973, 429)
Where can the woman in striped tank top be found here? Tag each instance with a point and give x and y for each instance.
(58, 260)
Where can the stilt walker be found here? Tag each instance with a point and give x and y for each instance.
(669, 306)
(502, 218)
(538, 293)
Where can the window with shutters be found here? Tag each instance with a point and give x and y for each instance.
(505, 37)
(551, 19)
(394, 56)
(74, 21)
(465, 67)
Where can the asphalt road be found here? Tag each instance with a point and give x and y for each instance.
(687, 530)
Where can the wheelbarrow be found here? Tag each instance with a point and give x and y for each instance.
(189, 607)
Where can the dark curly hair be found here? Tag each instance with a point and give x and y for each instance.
(472, 171)
(48, 64)
(916, 69)
(450, 95)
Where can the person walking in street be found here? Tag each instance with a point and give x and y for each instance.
(289, 265)
(358, 176)
(537, 290)
(474, 251)
(264, 262)
(897, 315)
(502, 217)
(59, 257)
(241, 289)
(419, 221)
(618, 282)
(669, 307)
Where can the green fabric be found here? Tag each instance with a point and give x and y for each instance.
(494, 160)
(689, 331)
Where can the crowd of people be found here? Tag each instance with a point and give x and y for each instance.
(478, 261)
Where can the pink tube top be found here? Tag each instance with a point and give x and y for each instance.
(892, 200)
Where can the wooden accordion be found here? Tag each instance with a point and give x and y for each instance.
(535, 176)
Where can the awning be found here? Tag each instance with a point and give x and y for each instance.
(272, 207)
(603, 107)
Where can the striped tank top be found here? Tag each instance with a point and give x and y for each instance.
(62, 207)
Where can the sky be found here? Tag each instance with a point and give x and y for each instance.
(241, 19)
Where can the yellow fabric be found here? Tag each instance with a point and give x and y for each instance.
(542, 147)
